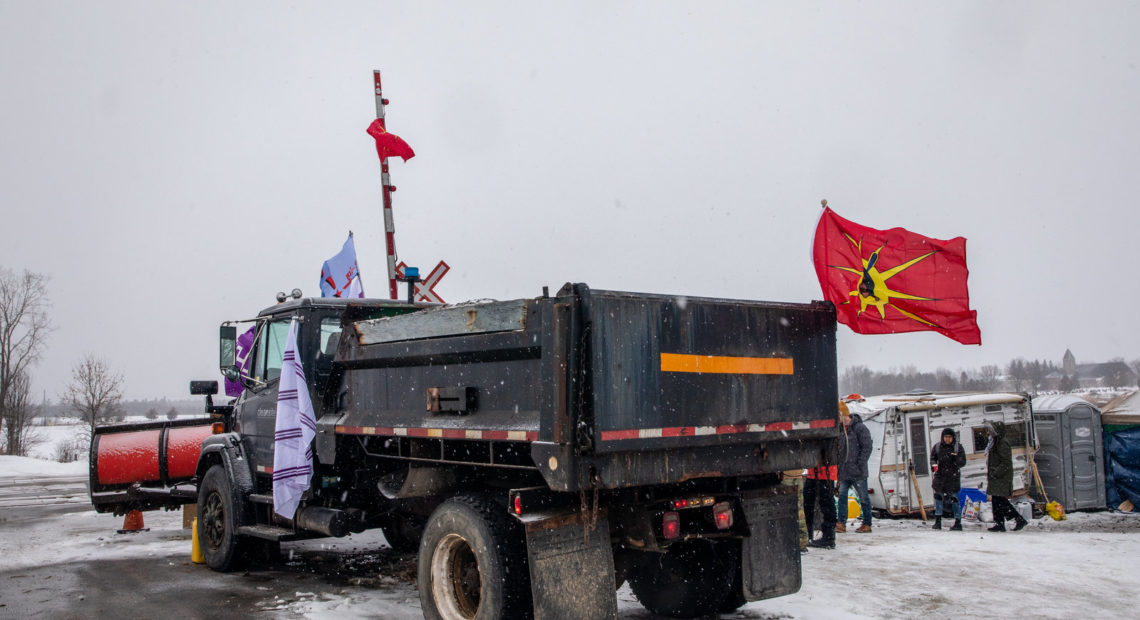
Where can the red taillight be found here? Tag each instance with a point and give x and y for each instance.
(671, 525)
(518, 504)
(722, 512)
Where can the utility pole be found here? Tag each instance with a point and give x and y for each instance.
(385, 179)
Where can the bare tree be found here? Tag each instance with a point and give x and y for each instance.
(20, 415)
(24, 328)
(989, 376)
(94, 392)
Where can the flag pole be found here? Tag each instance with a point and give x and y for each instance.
(386, 182)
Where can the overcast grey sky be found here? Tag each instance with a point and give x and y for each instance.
(171, 165)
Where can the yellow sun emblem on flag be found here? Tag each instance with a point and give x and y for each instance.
(873, 289)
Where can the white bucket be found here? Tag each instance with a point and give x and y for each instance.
(1025, 509)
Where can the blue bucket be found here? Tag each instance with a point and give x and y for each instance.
(974, 495)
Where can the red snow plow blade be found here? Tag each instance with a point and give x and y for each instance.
(146, 466)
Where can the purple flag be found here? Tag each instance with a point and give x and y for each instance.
(244, 344)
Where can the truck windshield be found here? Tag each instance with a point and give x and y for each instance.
(269, 351)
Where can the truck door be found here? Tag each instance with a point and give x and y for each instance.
(258, 417)
(918, 448)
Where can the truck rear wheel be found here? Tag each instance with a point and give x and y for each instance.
(688, 581)
(472, 563)
(217, 520)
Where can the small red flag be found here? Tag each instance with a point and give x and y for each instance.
(894, 281)
(389, 144)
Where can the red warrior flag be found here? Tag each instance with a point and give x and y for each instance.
(894, 281)
(389, 144)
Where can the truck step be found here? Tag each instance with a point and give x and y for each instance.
(259, 498)
(268, 532)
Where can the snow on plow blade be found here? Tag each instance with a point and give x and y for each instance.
(145, 466)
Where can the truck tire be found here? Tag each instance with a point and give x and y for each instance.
(473, 563)
(729, 552)
(403, 532)
(217, 521)
(688, 581)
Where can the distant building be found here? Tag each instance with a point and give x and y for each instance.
(1098, 374)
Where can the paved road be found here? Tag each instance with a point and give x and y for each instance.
(157, 585)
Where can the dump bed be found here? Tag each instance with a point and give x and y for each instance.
(622, 388)
(669, 371)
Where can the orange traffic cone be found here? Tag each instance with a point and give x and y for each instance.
(133, 522)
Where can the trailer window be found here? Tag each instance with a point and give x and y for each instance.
(1015, 434)
(919, 453)
(981, 438)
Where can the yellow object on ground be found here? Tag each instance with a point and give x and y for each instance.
(853, 509)
(195, 550)
(1056, 510)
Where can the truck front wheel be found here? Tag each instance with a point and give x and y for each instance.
(472, 563)
(217, 520)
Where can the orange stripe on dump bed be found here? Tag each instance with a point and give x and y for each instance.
(719, 364)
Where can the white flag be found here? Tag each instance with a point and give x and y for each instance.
(296, 427)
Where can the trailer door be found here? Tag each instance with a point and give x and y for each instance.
(918, 450)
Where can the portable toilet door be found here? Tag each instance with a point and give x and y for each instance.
(1086, 449)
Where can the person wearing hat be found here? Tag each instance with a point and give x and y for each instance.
(946, 461)
(854, 450)
(999, 478)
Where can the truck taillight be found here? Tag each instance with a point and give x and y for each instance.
(518, 504)
(218, 428)
(671, 525)
(722, 512)
(695, 502)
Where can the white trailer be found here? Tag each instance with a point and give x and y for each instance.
(905, 427)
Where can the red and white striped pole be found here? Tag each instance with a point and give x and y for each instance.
(389, 225)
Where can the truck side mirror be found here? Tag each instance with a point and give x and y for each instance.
(227, 351)
(198, 388)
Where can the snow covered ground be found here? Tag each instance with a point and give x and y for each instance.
(1084, 566)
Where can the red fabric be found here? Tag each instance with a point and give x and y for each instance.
(823, 473)
(389, 144)
(894, 281)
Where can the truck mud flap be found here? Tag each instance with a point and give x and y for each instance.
(770, 556)
(571, 576)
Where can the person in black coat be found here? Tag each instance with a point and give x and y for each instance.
(999, 478)
(946, 461)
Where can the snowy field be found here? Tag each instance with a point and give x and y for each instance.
(1084, 566)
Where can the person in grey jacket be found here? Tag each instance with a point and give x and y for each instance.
(854, 451)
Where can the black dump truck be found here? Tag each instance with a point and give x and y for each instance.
(536, 453)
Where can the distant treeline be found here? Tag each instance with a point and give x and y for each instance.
(1020, 375)
(866, 381)
(156, 408)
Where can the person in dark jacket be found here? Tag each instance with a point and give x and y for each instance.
(946, 461)
(999, 478)
(819, 489)
(854, 450)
